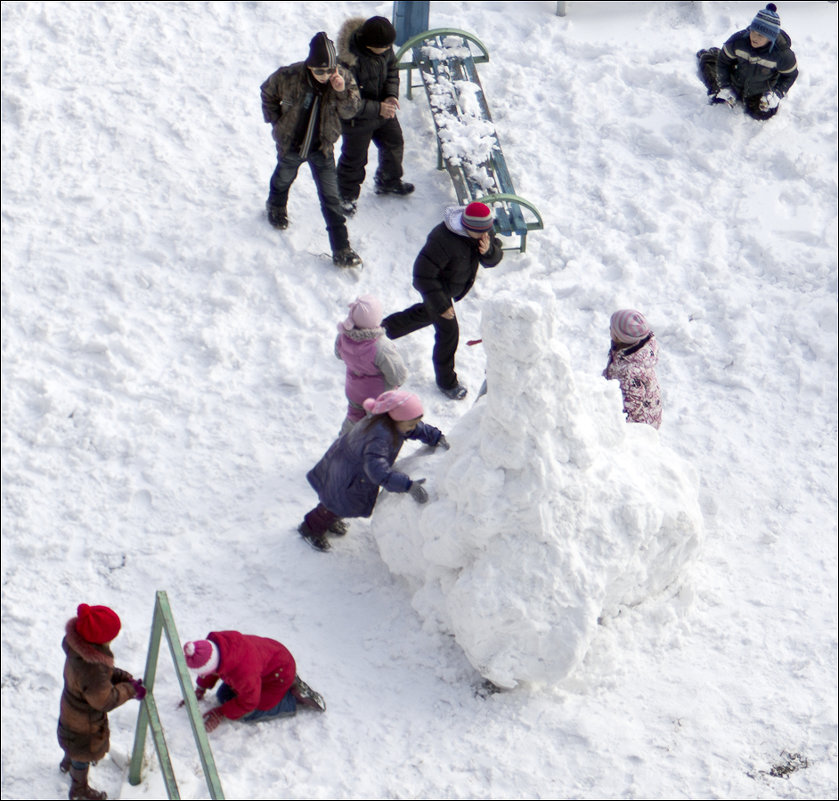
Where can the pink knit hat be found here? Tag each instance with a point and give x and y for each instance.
(628, 326)
(202, 656)
(398, 403)
(365, 312)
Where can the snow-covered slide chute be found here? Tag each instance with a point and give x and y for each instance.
(467, 142)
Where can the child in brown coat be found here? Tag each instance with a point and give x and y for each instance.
(92, 688)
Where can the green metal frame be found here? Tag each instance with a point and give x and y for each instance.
(416, 41)
(505, 197)
(163, 621)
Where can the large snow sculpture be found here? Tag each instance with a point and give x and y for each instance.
(548, 511)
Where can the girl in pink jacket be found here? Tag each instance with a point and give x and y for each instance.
(373, 364)
(632, 360)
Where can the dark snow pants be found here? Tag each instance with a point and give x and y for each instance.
(386, 134)
(446, 337)
(320, 519)
(325, 177)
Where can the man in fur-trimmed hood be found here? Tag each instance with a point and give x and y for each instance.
(365, 48)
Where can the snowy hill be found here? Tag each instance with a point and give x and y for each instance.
(168, 379)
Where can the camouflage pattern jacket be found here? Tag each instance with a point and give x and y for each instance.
(288, 91)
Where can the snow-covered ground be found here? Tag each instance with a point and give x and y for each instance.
(168, 379)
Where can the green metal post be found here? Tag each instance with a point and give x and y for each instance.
(163, 620)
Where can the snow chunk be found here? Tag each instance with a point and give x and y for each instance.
(548, 512)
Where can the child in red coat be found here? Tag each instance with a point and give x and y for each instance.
(259, 678)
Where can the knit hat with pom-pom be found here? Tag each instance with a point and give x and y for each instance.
(767, 23)
(202, 656)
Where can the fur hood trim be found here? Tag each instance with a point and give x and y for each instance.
(88, 651)
(345, 54)
(362, 334)
(453, 217)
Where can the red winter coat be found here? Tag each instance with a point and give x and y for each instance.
(260, 672)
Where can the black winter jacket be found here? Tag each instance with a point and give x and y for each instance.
(447, 266)
(375, 75)
(754, 71)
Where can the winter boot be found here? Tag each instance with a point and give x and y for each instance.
(317, 541)
(64, 765)
(397, 187)
(278, 217)
(80, 788)
(346, 257)
(457, 392)
(339, 528)
(306, 696)
(349, 206)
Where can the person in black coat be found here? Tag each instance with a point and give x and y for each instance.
(365, 48)
(444, 272)
(755, 66)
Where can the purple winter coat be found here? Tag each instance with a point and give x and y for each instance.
(348, 477)
(373, 366)
(634, 367)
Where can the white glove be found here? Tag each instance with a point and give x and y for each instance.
(769, 101)
(726, 96)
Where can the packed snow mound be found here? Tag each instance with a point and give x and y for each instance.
(548, 512)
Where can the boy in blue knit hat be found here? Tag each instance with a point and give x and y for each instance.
(755, 66)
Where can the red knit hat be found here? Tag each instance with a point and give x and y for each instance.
(97, 624)
(477, 217)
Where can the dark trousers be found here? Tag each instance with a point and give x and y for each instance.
(446, 337)
(708, 69)
(320, 519)
(386, 134)
(285, 709)
(325, 177)
(708, 73)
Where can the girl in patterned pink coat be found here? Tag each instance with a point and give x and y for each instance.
(632, 360)
(373, 362)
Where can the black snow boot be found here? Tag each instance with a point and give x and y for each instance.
(317, 541)
(80, 788)
(306, 696)
(346, 257)
(278, 217)
(397, 187)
